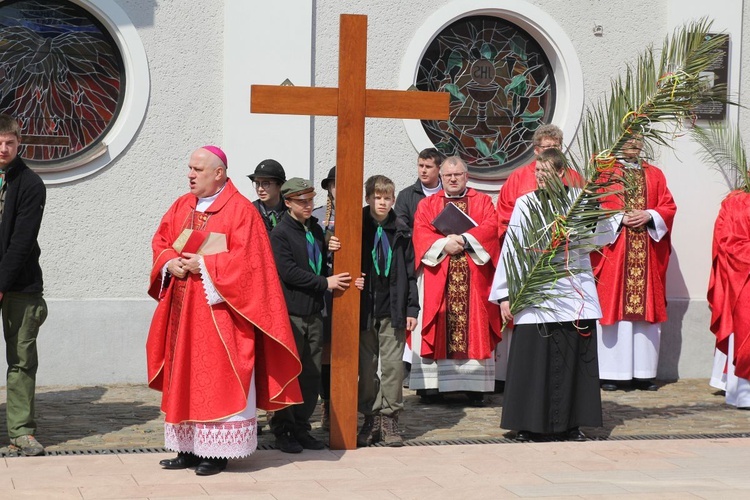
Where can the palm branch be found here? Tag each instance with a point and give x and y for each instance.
(724, 148)
(655, 96)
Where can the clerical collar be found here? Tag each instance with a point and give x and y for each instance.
(457, 195)
(631, 164)
(204, 203)
(430, 191)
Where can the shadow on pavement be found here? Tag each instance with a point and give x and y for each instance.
(78, 414)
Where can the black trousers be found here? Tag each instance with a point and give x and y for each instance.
(308, 335)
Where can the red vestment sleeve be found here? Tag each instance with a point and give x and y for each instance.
(729, 288)
(520, 182)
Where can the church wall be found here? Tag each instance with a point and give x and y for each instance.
(96, 233)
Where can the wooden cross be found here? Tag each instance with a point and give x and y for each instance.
(351, 102)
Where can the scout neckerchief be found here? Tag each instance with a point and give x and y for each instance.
(314, 257)
(381, 253)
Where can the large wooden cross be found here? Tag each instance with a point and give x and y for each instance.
(351, 102)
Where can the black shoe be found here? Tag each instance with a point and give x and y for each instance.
(183, 460)
(476, 399)
(523, 436)
(286, 443)
(309, 443)
(645, 385)
(609, 385)
(211, 466)
(430, 396)
(576, 435)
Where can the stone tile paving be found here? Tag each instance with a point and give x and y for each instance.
(127, 416)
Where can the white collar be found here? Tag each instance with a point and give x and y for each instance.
(204, 203)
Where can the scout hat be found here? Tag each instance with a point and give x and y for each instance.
(331, 177)
(297, 188)
(269, 168)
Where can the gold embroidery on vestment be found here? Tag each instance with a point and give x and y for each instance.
(636, 251)
(457, 298)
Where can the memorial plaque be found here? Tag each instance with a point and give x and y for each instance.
(716, 74)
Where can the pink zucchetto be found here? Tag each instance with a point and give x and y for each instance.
(216, 150)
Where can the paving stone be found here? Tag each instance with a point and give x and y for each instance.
(128, 416)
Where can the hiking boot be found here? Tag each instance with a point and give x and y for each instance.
(26, 445)
(389, 431)
(370, 431)
(325, 416)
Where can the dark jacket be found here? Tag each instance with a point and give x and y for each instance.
(402, 283)
(22, 217)
(303, 289)
(265, 216)
(407, 201)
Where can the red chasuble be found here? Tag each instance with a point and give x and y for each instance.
(631, 273)
(483, 322)
(729, 284)
(522, 181)
(202, 357)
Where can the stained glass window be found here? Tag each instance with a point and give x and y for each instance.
(61, 76)
(502, 88)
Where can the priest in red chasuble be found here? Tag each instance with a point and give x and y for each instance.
(460, 327)
(729, 296)
(631, 274)
(220, 341)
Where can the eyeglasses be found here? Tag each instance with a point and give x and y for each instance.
(263, 184)
(452, 176)
(548, 146)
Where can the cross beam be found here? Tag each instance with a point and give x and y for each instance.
(351, 102)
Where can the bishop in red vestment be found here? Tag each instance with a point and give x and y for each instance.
(460, 327)
(220, 341)
(631, 274)
(729, 294)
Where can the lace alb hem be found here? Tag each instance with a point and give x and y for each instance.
(213, 439)
(212, 295)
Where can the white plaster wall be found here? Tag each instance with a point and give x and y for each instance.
(96, 233)
(387, 148)
(628, 27)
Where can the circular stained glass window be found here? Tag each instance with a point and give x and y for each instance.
(502, 89)
(62, 77)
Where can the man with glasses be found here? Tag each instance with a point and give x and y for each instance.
(460, 328)
(268, 177)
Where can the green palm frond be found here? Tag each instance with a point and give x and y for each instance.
(654, 97)
(724, 148)
(561, 224)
